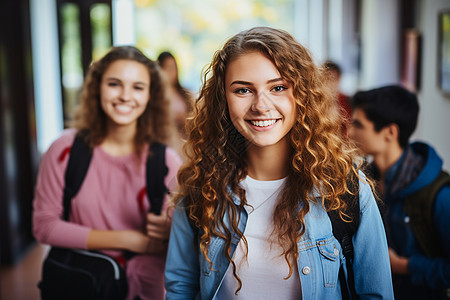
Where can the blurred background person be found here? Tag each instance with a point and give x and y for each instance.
(334, 73)
(181, 100)
(414, 189)
(123, 111)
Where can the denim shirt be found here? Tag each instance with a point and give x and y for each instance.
(188, 274)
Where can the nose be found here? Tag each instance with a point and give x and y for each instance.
(261, 103)
(125, 94)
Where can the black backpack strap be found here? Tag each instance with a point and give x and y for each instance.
(155, 173)
(344, 231)
(79, 159)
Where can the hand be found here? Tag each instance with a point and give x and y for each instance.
(135, 241)
(399, 264)
(158, 230)
(141, 243)
(158, 227)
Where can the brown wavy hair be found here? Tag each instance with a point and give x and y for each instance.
(185, 93)
(321, 160)
(152, 125)
(187, 96)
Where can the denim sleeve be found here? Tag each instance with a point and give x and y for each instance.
(182, 264)
(371, 257)
(435, 272)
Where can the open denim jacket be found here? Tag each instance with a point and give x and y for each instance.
(188, 274)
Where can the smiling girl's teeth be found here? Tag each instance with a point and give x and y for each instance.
(123, 108)
(263, 123)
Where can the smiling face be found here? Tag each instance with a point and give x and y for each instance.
(124, 92)
(260, 102)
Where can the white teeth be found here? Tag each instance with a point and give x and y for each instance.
(263, 123)
(123, 108)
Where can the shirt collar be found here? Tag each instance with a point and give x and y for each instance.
(392, 172)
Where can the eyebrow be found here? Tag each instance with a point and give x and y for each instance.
(249, 83)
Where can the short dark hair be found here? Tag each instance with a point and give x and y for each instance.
(330, 65)
(390, 105)
(163, 56)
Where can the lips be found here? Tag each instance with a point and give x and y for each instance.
(263, 123)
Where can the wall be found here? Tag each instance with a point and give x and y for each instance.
(18, 153)
(434, 121)
(380, 36)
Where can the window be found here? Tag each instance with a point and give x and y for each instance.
(84, 35)
(193, 30)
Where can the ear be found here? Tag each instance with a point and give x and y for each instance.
(392, 132)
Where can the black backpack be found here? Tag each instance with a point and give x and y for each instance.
(343, 232)
(76, 274)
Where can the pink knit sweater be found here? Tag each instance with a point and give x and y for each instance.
(110, 198)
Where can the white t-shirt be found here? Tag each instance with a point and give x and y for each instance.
(263, 273)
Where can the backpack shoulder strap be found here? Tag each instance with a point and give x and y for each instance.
(344, 231)
(79, 159)
(341, 228)
(156, 171)
(420, 209)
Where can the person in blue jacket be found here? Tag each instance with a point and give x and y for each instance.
(266, 161)
(415, 193)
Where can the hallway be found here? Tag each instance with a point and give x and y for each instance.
(19, 282)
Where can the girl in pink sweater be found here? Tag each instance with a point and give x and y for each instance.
(123, 110)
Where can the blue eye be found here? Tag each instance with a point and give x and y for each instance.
(113, 84)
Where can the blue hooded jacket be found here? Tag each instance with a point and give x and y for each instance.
(427, 276)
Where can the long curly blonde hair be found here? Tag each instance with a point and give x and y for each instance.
(321, 160)
(153, 125)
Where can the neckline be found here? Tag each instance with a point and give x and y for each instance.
(265, 184)
(127, 158)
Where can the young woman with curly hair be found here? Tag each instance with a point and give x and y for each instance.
(123, 111)
(266, 162)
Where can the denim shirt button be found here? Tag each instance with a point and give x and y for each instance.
(306, 270)
(336, 251)
(406, 219)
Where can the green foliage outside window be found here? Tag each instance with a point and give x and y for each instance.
(194, 29)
